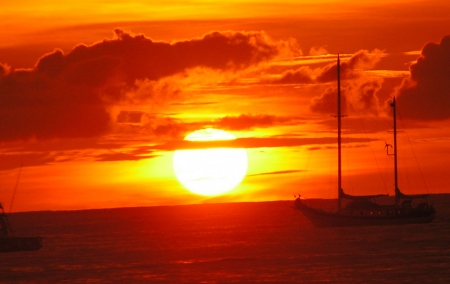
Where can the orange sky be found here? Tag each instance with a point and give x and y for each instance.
(96, 96)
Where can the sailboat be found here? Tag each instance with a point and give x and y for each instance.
(9, 242)
(363, 210)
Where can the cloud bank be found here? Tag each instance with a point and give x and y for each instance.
(358, 90)
(350, 69)
(425, 94)
(71, 95)
(248, 121)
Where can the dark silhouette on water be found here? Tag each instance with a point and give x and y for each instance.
(10, 243)
(362, 210)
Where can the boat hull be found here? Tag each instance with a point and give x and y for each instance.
(10, 244)
(323, 219)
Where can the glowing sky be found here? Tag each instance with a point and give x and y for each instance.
(96, 96)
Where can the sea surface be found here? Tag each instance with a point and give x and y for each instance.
(266, 242)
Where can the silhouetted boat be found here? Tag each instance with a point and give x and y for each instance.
(9, 242)
(363, 210)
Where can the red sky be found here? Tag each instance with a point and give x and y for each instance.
(96, 96)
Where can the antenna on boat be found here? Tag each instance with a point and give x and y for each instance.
(387, 146)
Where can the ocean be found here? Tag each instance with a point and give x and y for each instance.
(261, 242)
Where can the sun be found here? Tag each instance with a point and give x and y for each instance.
(211, 171)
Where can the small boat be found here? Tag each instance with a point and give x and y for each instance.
(9, 242)
(363, 210)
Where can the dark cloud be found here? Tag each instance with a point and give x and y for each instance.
(12, 161)
(302, 75)
(426, 93)
(358, 96)
(174, 129)
(135, 154)
(366, 99)
(350, 69)
(170, 129)
(39, 153)
(359, 92)
(117, 157)
(132, 117)
(247, 121)
(68, 95)
(327, 102)
(253, 143)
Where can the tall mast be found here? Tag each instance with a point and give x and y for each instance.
(339, 131)
(394, 114)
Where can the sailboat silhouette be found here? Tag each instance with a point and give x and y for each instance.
(362, 210)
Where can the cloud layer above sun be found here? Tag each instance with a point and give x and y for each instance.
(86, 92)
(69, 95)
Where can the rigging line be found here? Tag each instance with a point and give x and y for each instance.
(347, 155)
(361, 120)
(331, 162)
(15, 188)
(414, 154)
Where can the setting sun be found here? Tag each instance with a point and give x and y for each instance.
(211, 171)
(97, 99)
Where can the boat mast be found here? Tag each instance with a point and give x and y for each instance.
(339, 131)
(394, 114)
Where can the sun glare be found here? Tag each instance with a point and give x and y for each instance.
(211, 171)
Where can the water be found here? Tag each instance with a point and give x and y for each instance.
(265, 242)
